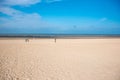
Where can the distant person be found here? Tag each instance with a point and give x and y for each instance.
(55, 40)
(26, 40)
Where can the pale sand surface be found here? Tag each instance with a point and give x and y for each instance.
(67, 59)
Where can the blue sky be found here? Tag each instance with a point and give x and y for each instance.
(60, 16)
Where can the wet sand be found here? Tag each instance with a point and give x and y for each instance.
(65, 59)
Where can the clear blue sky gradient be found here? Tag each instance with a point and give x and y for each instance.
(65, 17)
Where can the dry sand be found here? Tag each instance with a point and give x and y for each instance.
(67, 59)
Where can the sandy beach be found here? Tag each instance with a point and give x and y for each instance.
(65, 59)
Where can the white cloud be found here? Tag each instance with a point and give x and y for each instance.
(10, 11)
(19, 2)
(6, 6)
(21, 19)
(18, 18)
(24, 20)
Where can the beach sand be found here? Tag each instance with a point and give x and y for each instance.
(65, 59)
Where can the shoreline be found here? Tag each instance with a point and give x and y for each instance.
(61, 37)
(70, 36)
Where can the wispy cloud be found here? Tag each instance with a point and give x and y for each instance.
(17, 17)
(10, 11)
(26, 20)
(6, 6)
(19, 2)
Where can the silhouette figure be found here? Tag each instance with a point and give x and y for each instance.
(26, 40)
(55, 40)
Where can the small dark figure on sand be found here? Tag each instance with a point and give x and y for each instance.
(26, 40)
(55, 40)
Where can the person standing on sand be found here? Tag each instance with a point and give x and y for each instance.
(55, 40)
